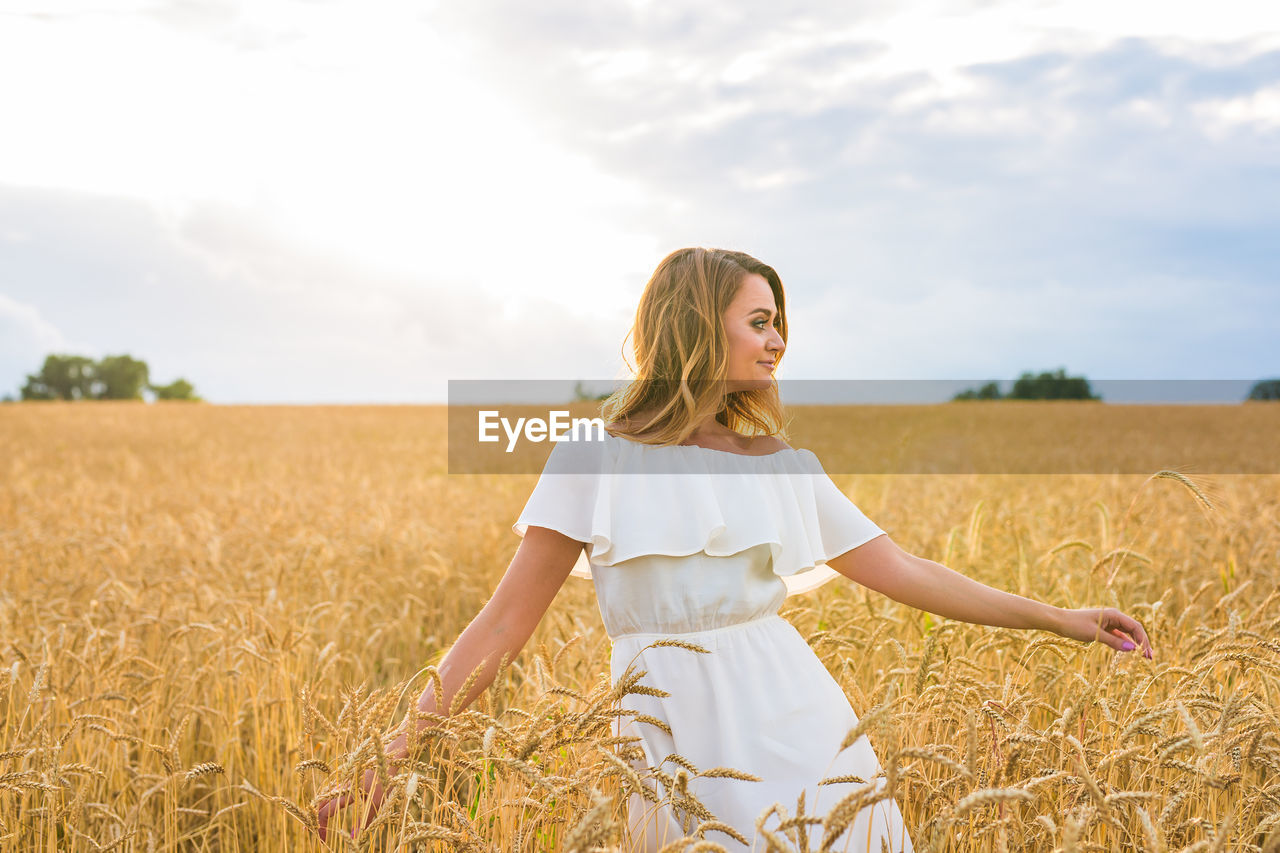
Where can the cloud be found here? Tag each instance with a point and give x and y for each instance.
(1100, 178)
(24, 331)
(260, 26)
(22, 320)
(211, 294)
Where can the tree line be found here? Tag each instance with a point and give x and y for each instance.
(114, 377)
(122, 377)
(1044, 386)
(1059, 386)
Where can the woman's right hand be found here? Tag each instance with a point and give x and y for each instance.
(1105, 625)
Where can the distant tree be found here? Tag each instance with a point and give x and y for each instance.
(1265, 389)
(179, 389)
(990, 391)
(62, 377)
(115, 377)
(120, 377)
(580, 394)
(1045, 386)
(8, 398)
(1051, 386)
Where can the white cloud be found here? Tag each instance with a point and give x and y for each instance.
(26, 337)
(361, 138)
(248, 316)
(20, 320)
(1257, 111)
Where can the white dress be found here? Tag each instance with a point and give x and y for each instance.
(704, 545)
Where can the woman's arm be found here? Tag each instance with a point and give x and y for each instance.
(506, 622)
(884, 567)
(925, 585)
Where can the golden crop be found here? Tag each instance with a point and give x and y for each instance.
(210, 615)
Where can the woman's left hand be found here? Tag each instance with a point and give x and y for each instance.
(1105, 625)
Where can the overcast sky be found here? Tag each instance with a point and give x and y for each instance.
(357, 201)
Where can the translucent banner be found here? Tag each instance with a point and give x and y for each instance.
(896, 427)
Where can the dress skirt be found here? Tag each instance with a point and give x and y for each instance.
(759, 701)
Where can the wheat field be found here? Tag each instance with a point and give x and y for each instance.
(209, 616)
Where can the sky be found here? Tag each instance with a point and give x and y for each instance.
(355, 202)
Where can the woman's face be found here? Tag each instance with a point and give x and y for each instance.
(751, 326)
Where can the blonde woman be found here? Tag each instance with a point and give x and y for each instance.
(695, 521)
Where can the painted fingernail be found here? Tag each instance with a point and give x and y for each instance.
(1127, 647)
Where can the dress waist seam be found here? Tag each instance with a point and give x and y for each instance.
(707, 632)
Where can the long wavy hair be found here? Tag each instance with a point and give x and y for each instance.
(682, 353)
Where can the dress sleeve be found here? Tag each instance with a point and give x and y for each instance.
(842, 525)
(565, 495)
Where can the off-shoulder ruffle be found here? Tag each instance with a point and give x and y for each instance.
(625, 499)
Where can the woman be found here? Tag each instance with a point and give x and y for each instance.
(707, 558)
